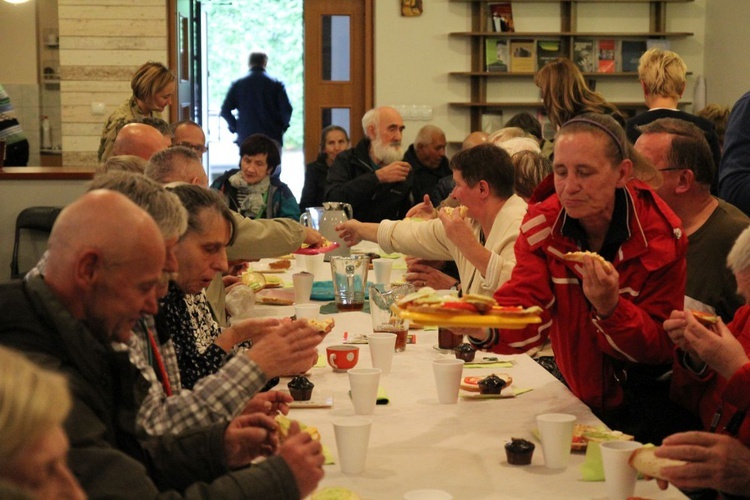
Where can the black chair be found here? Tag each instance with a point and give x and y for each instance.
(38, 219)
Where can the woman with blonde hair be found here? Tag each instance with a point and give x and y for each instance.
(34, 402)
(662, 74)
(153, 86)
(566, 95)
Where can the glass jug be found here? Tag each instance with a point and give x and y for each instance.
(334, 213)
(382, 297)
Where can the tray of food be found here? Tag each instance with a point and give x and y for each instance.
(426, 307)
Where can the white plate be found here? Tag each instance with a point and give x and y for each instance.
(321, 400)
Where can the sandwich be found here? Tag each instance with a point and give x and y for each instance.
(462, 211)
(578, 257)
(427, 301)
(322, 325)
(706, 319)
(285, 423)
(280, 264)
(583, 434)
(645, 461)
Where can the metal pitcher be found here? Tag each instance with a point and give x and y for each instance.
(334, 213)
(311, 217)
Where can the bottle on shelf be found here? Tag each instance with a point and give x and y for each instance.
(46, 133)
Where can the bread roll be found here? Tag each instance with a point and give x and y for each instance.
(647, 463)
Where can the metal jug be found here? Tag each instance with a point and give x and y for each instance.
(311, 217)
(334, 213)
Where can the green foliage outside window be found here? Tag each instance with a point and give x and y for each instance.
(236, 29)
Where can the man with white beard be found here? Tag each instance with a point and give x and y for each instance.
(372, 176)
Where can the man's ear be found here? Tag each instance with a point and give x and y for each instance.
(484, 189)
(685, 181)
(87, 268)
(371, 132)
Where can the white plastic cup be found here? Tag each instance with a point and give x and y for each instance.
(309, 310)
(363, 383)
(619, 475)
(382, 347)
(556, 431)
(313, 264)
(352, 440)
(303, 283)
(447, 374)
(382, 268)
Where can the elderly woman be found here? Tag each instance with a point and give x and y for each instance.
(604, 320)
(251, 190)
(153, 87)
(566, 95)
(333, 140)
(34, 448)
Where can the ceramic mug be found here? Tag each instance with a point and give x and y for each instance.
(342, 357)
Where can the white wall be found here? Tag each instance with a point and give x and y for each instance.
(728, 67)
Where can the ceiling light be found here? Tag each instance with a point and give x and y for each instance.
(16, 1)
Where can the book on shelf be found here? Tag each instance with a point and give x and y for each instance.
(522, 56)
(501, 15)
(496, 55)
(658, 43)
(606, 59)
(546, 51)
(630, 54)
(584, 54)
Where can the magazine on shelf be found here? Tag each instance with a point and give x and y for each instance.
(501, 15)
(496, 55)
(630, 54)
(607, 52)
(522, 56)
(584, 54)
(546, 51)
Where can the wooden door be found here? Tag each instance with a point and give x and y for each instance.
(185, 59)
(338, 67)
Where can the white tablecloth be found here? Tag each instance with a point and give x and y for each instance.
(416, 443)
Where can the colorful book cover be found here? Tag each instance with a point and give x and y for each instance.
(606, 56)
(522, 56)
(496, 55)
(630, 54)
(584, 55)
(501, 15)
(546, 51)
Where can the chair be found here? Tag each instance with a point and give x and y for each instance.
(39, 219)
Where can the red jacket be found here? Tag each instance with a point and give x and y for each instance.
(710, 392)
(651, 265)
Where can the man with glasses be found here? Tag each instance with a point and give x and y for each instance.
(189, 134)
(679, 150)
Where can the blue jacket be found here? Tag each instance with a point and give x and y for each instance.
(262, 106)
(734, 169)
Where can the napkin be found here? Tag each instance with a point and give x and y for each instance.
(321, 362)
(394, 255)
(497, 364)
(382, 397)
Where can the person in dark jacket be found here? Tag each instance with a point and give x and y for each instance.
(251, 190)
(96, 285)
(427, 157)
(333, 140)
(261, 102)
(372, 177)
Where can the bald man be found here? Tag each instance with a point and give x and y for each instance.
(189, 134)
(427, 157)
(100, 279)
(474, 139)
(372, 176)
(139, 139)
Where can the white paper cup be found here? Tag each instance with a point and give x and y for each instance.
(303, 283)
(364, 386)
(618, 474)
(382, 268)
(447, 374)
(352, 440)
(309, 311)
(556, 431)
(382, 346)
(312, 264)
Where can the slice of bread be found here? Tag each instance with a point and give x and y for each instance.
(647, 463)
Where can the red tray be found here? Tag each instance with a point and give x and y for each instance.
(313, 251)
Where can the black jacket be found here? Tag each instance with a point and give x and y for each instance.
(315, 183)
(425, 178)
(352, 179)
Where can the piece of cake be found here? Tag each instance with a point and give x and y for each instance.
(519, 451)
(300, 388)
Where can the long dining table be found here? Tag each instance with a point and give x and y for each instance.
(417, 443)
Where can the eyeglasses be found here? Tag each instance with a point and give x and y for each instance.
(668, 169)
(195, 147)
